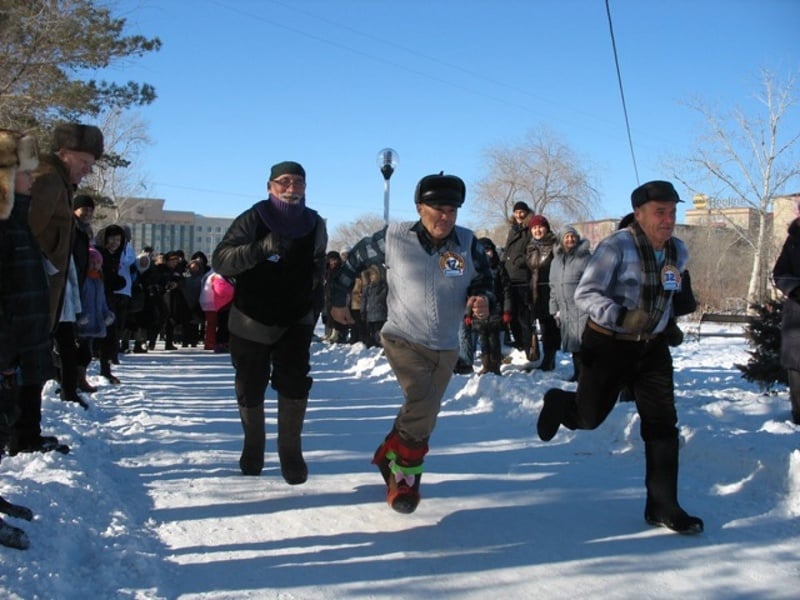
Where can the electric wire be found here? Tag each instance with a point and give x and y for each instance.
(622, 92)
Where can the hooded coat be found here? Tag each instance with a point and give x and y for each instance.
(565, 273)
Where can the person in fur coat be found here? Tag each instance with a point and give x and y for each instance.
(539, 255)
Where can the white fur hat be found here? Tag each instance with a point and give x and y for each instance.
(17, 151)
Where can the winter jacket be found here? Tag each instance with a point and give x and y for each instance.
(25, 327)
(786, 275)
(565, 273)
(95, 315)
(515, 257)
(613, 280)
(374, 297)
(276, 275)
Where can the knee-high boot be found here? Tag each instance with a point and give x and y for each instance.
(661, 480)
(251, 461)
(291, 414)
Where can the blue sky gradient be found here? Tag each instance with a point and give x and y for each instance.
(243, 84)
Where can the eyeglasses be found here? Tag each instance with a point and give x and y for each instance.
(289, 181)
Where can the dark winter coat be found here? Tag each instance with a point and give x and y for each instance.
(373, 302)
(515, 256)
(25, 340)
(276, 275)
(786, 275)
(565, 273)
(111, 260)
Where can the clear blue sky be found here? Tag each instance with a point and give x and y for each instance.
(243, 84)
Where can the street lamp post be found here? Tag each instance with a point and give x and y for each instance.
(387, 162)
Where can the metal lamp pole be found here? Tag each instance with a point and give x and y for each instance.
(387, 162)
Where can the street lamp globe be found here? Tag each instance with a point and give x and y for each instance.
(387, 162)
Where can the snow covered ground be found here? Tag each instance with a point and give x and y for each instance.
(150, 503)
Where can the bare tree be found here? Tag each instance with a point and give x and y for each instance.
(118, 178)
(543, 172)
(750, 159)
(350, 233)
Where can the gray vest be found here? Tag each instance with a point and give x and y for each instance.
(427, 294)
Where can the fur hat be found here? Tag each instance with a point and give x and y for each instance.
(654, 190)
(287, 167)
(81, 201)
(79, 138)
(440, 190)
(539, 220)
(17, 151)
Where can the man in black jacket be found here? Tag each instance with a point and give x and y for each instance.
(275, 251)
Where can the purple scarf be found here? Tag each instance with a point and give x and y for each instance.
(291, 220)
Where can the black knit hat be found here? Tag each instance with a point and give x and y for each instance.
(521, 206)
(287, 167)
(79, 138)
(82, 201)
(440, 190)
(654, 190)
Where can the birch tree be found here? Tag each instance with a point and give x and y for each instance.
(748, 157)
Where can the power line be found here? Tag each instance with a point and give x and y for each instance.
(622, 93)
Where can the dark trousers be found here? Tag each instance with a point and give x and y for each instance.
(521, 316)
(67, 348)
(286, 363)
(606, 366)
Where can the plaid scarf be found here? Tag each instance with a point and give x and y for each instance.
(654, 298)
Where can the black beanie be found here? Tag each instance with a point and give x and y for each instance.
(521, 206)
(440, 190)
(81, 201)
(287, 167)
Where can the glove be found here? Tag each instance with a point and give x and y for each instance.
(506, 318)
(634, 320)
(673, 333)
(468, 321)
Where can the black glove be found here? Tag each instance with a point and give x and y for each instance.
(673, 333)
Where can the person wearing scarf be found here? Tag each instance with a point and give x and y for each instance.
(627, 291)
(274, 254)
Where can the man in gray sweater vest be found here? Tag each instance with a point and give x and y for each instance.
(437, 273)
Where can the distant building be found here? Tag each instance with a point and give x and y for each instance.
(167, 230)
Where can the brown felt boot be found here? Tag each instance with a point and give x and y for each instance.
(291, 413)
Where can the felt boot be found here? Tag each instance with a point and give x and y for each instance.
(662, 508)
(291, 414)
(251, 462)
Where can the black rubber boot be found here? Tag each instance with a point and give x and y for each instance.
(291, 414)
(554, 413)
(251, 462)
(662, 508)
